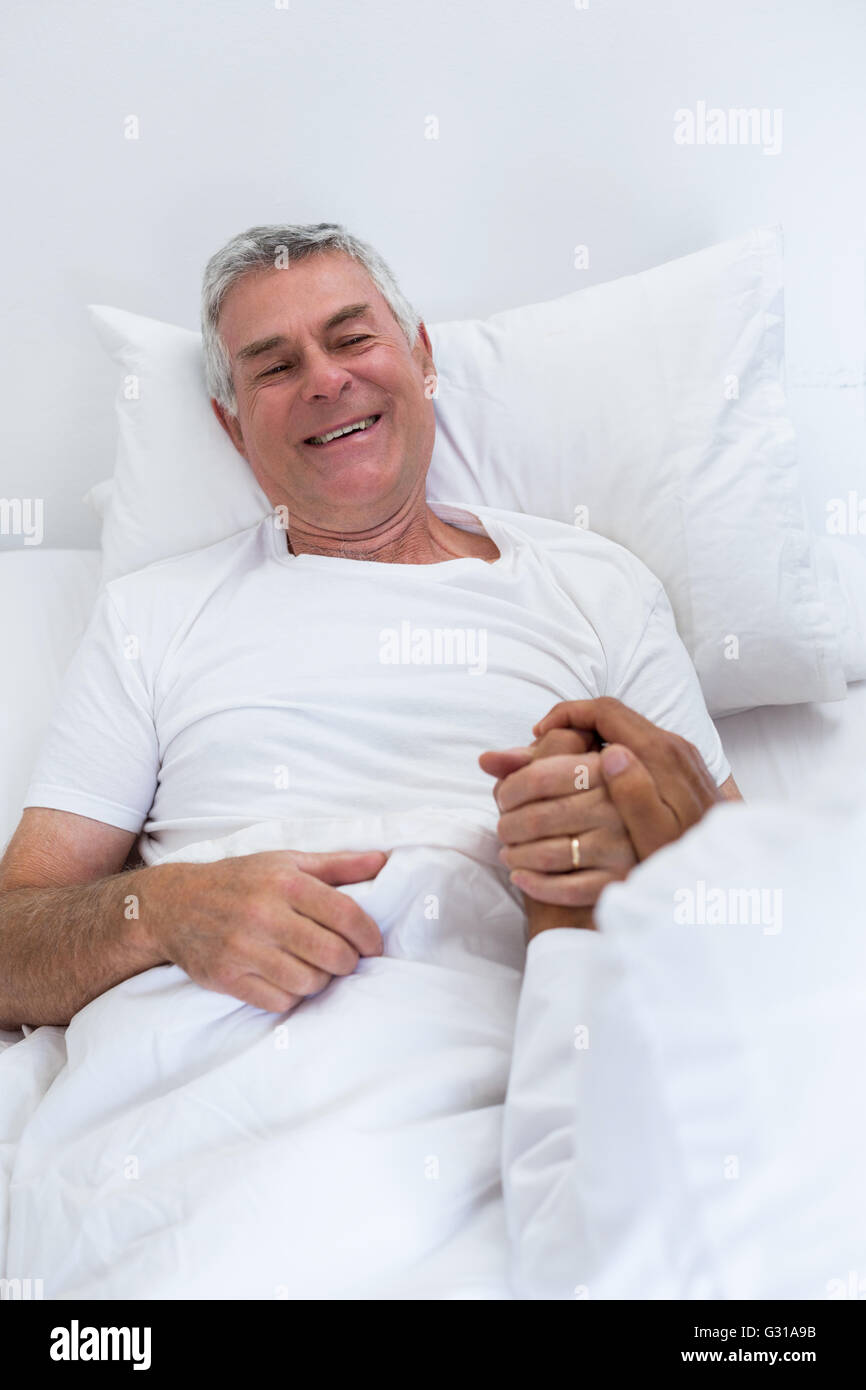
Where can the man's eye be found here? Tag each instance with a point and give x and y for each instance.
(348, 342)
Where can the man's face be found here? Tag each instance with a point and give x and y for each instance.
(297, 377)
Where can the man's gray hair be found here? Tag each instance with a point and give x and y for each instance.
(273, 248)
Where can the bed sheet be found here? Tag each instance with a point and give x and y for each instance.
(788, 752)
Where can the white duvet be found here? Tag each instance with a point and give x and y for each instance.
(675, 1109)
(176, 1143)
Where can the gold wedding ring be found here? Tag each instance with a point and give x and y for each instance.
(575, 853)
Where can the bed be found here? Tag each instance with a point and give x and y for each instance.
(729, 542)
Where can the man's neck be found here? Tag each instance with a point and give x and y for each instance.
(417, 537)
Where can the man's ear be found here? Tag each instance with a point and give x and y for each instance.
(428, 366)
(423, 340)
(231, 425)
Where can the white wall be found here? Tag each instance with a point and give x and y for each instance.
(556, 128)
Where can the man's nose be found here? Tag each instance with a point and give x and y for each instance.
(322, 376)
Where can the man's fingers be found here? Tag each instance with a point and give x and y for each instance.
(676, 766)
(319, 947)
(582, 738)
(554, 776)
(261, 994)
(508, 764)
(610, 719)
(559, 741)
(327, 907)
(287, 971)
(649, 821)
(599, 849)
(580, 889)
(558, 815)
(502, 763)
(342, 866)
(279, 976)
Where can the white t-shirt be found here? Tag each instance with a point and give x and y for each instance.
(240, 683)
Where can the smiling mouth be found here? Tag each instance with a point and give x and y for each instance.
(350, 431)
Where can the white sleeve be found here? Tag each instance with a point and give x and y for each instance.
(703, 1143)
(100, 755)
(660, 682)
(584, 1154)
(565, 969)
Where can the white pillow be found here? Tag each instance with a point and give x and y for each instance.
(654, 401)
(98, 498)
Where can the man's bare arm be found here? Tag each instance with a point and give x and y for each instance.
(267, 928)
(66, 929)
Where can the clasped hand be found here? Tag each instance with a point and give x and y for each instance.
(599, 773)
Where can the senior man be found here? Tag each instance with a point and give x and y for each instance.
(251, 680)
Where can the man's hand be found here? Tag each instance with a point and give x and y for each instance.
(268, 928)
(659, 778)
(549, 794)
(621, 802)
(555, 797)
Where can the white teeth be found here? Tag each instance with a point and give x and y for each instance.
(347, 429)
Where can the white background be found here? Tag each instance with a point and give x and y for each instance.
(555, 129)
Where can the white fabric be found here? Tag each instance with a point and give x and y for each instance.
(654, 402)
(842, 576)
(795, 754)
(98, 497)
(685, 1115)
(242, 683)
(179, 1144)
(46, 598)
(709, 1142)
